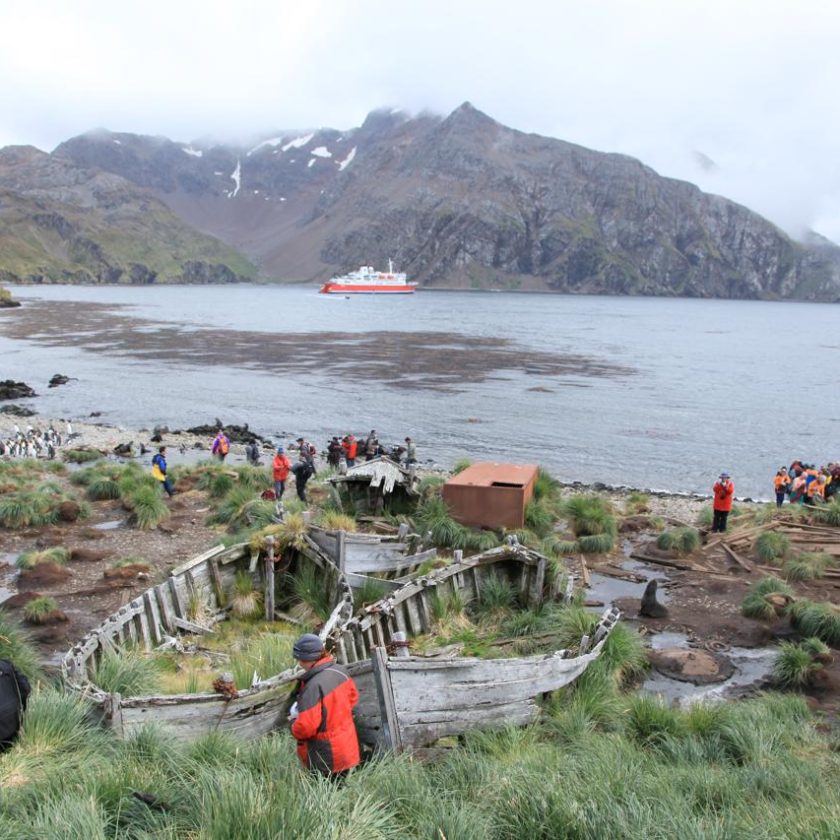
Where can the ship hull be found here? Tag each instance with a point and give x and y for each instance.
(365, 289)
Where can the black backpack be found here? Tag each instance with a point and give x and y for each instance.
(14, 692)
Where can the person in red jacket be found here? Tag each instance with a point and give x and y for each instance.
(350, 446)
(724, 492)
(280, 470)
(322, 714)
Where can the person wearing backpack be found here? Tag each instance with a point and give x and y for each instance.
(14, 692)
(221, 445)
(303, 471)
(159, 471)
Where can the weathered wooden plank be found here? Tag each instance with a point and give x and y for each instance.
(216, 582)
(163, 597)
(143, 630)
(178, 606)
(152, 617)
(190, 626)
(744, 564)
(268, 576)
(387, 706)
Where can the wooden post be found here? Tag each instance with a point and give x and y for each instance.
(269, 580)
(115, 714)
(341, 549)
(391, 738)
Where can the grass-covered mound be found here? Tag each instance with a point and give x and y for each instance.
(31, 495)
(596, 766)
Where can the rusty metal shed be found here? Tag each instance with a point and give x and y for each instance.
(489, 495)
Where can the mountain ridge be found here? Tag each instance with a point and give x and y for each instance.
(458, 201)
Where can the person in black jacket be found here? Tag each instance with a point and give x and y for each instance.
(303, 471)
(14, 692)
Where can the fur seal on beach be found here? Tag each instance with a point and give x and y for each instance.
(650, 606)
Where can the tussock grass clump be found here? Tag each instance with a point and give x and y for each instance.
(755, 603)
(546, 487)
(817, 619)
(15, 645)
(308, 585)
(148, 509)
(795, 665)
(460, 465)
(241, 508)
(589, 516)
(829, 514)
(103, 487)
(637, 503)
(129, 672)
(433, 518)
(245, 600)
(333, 520)
(772, 546)
(650, 721)
(681, 540)
(254, 478)
(623, 655)
(807, 566)
(25, 508)
(41, 610)
(81, 456)
(370, 592)
(539, 518)
(57, 554)
(596, 543)
(446, 604)
(705, 519)
(496, 593)
(265, 655)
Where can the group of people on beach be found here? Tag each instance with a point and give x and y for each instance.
(341, 454)
(806, 484)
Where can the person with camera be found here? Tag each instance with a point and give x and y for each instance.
(724, 493)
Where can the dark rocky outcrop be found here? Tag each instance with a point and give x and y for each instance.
(10, 390)
(59, 379)
(18, 410)
(236, 434)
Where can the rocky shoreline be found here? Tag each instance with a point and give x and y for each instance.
(189, 446)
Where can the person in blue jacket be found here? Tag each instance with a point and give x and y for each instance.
(159, 471)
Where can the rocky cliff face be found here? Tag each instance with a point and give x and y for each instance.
(460, 201)
(61, 222)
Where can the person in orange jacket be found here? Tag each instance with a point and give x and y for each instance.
(351, 448)
(724, 492)
(280, 471)
(322, 714)
(782, 485)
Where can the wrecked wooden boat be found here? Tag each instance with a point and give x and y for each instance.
(410, 702)
(162, 613)
(391, 560)
(378, 484)
(405, 701)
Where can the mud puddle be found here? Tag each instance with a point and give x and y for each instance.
(752, 666)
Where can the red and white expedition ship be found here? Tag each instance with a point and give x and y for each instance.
(367, 280)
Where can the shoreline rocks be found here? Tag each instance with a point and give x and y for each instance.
(11, 390)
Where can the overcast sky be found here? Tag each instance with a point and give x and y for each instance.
(740, 97)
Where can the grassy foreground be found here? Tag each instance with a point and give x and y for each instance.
(599, 764)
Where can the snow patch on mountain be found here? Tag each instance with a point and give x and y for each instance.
(321, 151)
(297, 143)
(236, 176)
(188, 150)
(348, 160)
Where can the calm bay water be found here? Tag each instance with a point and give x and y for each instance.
(659, 393)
